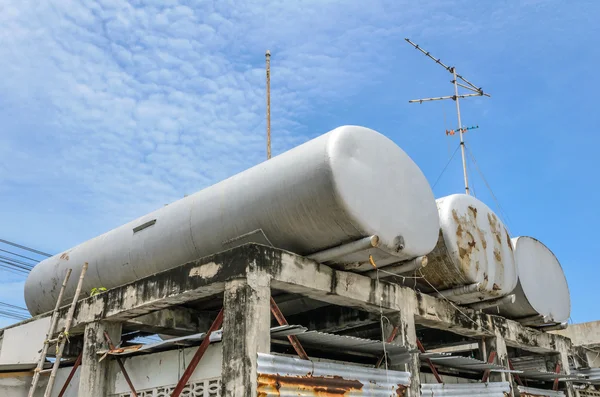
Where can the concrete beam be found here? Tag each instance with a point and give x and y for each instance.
(194, 280)
(246, 326)
(300, 275)
(332, 318)
(174, 321)
(296, 274)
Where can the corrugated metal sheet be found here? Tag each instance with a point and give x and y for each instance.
(195, 339)
(460, 362)
(492, 389)
(533, 392)
(549, 376)
(287, 376)
(529, 363)
(592, 375)
(350, 344)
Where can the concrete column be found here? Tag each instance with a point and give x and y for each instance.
(563, 358)
(406, 336)
(94, 376)
(246, 325)
(498, 344)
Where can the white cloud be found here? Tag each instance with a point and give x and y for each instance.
(118, 108)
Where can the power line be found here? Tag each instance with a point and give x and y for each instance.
(25, 248)
(12, 270)
(24, 269)
(502, 212)
(16, 261)
(445, 167)
(20, 256)
(9, 305)
(12, 315)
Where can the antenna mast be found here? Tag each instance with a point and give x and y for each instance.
(477, 91)
(268, 57)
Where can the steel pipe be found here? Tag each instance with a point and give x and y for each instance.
(340, 251)
(493, 303)
(467, 289)
(400, 268)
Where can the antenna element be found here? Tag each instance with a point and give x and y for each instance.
(477, 91)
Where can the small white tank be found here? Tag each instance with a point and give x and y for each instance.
(344, 186)
(542, 289)
(473, 260)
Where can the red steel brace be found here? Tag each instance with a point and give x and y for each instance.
(292, 338)
(517, 377)
(120, 362)
(71, 374)
(198, 355)
(555, 385)
(388, 340)
(431, 366)
(486, 373)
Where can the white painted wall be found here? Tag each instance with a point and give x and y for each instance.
(21, 345)
(165, 368)
(146, 372)
(17, 384)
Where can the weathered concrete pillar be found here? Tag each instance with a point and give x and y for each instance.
(94, 376)
(498, 344)
(406, 336)
(563, 358)
(246, 325)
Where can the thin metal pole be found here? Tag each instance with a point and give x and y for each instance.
(460, 130)
(268, 57)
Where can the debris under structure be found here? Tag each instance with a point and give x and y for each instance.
(328, 270)
(335, 315)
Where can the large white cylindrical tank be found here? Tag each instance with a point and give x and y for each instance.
(473, 259)
(337, 188)
(542, 289)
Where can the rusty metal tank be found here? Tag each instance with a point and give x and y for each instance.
(542, 293)
(473, 260)
(338, 198)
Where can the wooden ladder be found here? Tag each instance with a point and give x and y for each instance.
(60, 340)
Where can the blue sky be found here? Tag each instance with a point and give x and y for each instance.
(112, 109)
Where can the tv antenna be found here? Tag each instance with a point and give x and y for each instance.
(476, 91)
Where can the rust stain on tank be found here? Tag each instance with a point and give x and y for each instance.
(497, 255)
(308, 385)
(494, 226)
(473, 211)
(508, 240)
(65, 256)
(454, 265)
